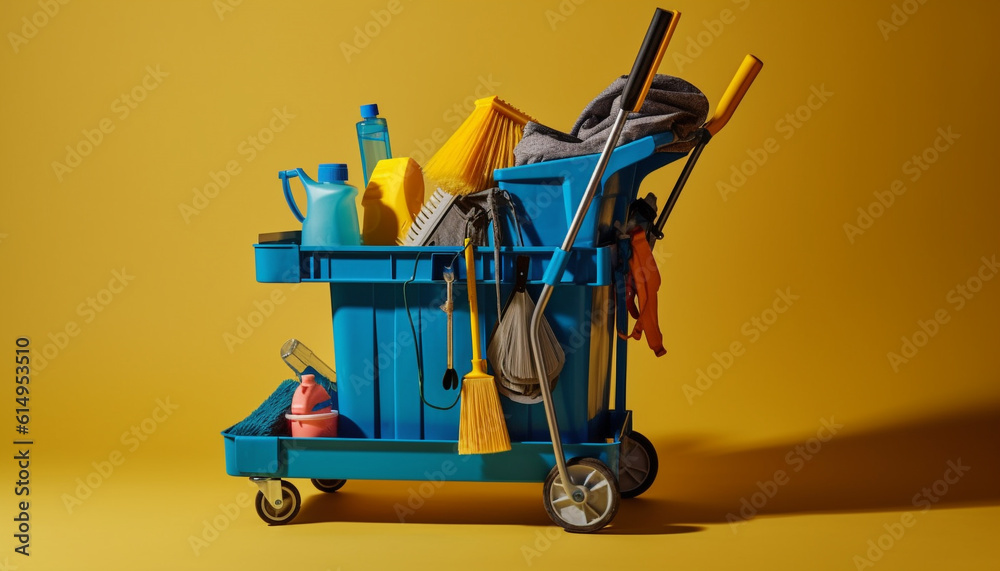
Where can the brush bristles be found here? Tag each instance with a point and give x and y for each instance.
(481, 426)
(428, 219)
(483, 143)
(501, 106)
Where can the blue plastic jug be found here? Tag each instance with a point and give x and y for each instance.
(331, 213)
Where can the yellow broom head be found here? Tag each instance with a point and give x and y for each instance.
(483, 143)
(481, 426)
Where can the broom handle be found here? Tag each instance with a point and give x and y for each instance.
(470, 278)
(636, 88)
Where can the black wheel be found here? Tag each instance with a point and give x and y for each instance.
(286, 512)
(637, 465)
(582, 510)
(328, 486)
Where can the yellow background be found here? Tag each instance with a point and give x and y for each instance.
(161, 337)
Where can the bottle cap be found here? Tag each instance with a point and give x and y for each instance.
(332, 172)
(369, 111)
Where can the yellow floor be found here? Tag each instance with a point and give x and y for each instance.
(179, 515)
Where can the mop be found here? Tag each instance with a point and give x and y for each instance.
(510, 348)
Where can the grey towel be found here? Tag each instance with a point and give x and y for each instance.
(671, 105)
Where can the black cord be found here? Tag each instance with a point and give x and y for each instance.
(416, 342)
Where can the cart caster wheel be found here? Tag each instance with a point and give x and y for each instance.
(328, 486)
(290, 504)
(602, 496)
(637, 465)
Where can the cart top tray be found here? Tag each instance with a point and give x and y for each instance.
(291, 263)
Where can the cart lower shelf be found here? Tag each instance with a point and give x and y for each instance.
(623, 466)
(379, 459)
(365, 459)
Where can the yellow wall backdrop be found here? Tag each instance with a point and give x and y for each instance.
(858, 180)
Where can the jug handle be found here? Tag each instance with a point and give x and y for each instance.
(284, 176)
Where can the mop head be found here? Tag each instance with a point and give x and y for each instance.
(510, 349)
(269, 418)
(481, 426)
(483, 143)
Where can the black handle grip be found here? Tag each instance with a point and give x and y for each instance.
(650, 54)
(521, 282)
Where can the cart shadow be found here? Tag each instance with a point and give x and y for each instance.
(900, 467)
(464, 503)
(646, 516)
(401, 502)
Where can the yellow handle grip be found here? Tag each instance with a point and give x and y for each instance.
(734, 93)
(470, 278)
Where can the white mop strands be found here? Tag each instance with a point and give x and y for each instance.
(510, 348)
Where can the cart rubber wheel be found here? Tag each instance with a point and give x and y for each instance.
(328, 486)
(290, 504)
(602, 501)
(637, 465)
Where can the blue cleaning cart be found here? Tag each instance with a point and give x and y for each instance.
(386, 432)
(578, 441)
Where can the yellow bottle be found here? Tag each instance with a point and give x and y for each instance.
(392, 200)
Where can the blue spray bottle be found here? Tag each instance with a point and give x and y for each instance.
(373, 139)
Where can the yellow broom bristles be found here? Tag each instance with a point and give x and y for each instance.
(481, 144)
(481, 426)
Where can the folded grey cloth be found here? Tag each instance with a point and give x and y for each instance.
(671, 105)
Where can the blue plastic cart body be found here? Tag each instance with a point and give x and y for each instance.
(386, 432)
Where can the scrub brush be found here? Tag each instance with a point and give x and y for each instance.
(428, 219)
(483, 143)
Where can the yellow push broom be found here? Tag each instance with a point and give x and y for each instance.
(481, 426)
(484, 142)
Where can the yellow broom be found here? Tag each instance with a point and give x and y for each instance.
(481, 426)
(484, 142)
